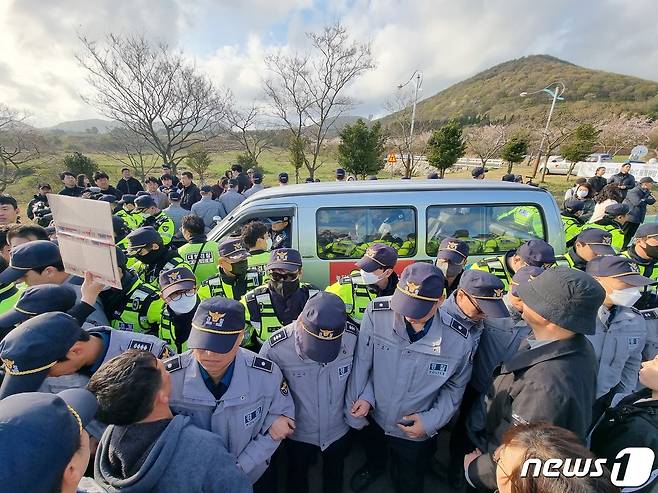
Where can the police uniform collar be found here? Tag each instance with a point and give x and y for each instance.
(642, 261)
(526, 357)
(451, 309)
(434, 334)
(578, 261)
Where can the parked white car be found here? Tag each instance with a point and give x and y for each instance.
(557, 165)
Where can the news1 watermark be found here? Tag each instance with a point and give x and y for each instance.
(631, 468)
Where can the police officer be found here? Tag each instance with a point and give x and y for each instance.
(230, 390)
(524, 217)
(51, 352)
(552, 377)
(136, 307)
(315, 355)
(533, 252)
(644, 252)
(44, 446)
(374, 278)
(283, 179)
(281, 300)
(256, 238)
(451, 259)
(280, 232)
(479, 172)
(478, 297)
(178, 290)
(153, 257)
(411, 370)
(590, 243)
(199, 252)
(152, 216)
(615, 216)
(127, 211)
(232, 280)
(570, 216)
(620, 329)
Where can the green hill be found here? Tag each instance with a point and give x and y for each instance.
(493, 95)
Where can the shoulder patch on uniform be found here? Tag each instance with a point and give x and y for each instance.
(165, 352)
(278, 336)
(262, 364)
(173, 364)
(345, 280)
(260, 290)
(380, 305)
(284, 387)
(250, 297)
(352, 328)
(140, 345)
(459, 328)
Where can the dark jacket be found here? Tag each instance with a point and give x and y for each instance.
(129, 186)
(189, 195)
(597, 183)
(112, 191)
(555, 383)
(72, 191)
(629, 424)
(637, 200)
(38, 202)
(627, 181)
(138, 458)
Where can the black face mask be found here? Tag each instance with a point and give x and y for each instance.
(652, 251)
(284, 288)
(239, 269)
(149, 258)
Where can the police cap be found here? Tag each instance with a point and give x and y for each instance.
(174, 196)
(340, 172)
(142, 237)
(321, 326)
(566, 297)
(144, 202)
(453, 250)
(487, 291)
(522, 276)
(32, 348)
(618, 267)
(599, 240)
(617, 210)
(479, 171)
(286, 259)
(112, 199)
(574, 205)
(40, 434)
(175, 280)
(378, 256)
(217, 324)
(30, 255)
(420, 287)
(257, 178)
(128, 198)
(35, 300)
(233, 249)
(537, 252)
(283, 177)
(647, 230)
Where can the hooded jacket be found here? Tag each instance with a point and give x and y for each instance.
(182, 458)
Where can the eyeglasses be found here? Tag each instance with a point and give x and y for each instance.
(474, 303)
(495, 458)
(177, 296)
(277, 276)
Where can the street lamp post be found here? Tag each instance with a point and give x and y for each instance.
(556, 94)
(419, 80)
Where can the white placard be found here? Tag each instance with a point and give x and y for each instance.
(86, 237)
(638, 170)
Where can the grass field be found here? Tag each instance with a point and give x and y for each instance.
(272, 162)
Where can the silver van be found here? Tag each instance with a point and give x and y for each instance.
(332, 224)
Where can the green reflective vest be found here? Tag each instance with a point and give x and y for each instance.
(572, 228)
(167, 331)
(131, 220)
(257, 270)
(496, 266)
(354, 293)
(150, 275)
(141, 312)
(9, 295)
(526, 218)
(214, 286)
(202, 257)
(163, 224)
(269, 323)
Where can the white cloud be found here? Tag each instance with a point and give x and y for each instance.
(445, 39)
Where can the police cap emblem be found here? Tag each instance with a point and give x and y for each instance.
(498, 293)
(281, 256)
(173, 275)
(215, 317)
(326, 334)
(452, 245)
(413, 288)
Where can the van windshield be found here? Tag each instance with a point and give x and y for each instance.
(488, 229)
(347, 232)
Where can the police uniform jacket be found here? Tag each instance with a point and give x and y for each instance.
(399, 378)
(317, 389)
(554, 382)
(618, 343)
(255, 397)
(119, 342)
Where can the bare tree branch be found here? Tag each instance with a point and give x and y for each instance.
(245, 127)
(19, 144)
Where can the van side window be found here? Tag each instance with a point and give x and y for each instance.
(487, 229)
(346, 232)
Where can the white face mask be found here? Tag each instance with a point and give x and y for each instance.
(268, 243)
(581, 194)
(369, 277)
(625, 297)
(184, 305)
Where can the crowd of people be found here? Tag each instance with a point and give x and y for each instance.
(215, 367)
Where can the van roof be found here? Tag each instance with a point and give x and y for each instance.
(361, 186)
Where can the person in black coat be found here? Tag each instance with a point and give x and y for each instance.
(637, 201)
(633, 422)
(127, 184)
(598, 181)
(552, 377)
(624, 180)
(190, 193)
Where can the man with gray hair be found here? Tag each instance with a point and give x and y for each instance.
(231, 198)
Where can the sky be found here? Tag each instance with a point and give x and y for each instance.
(447, 40)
